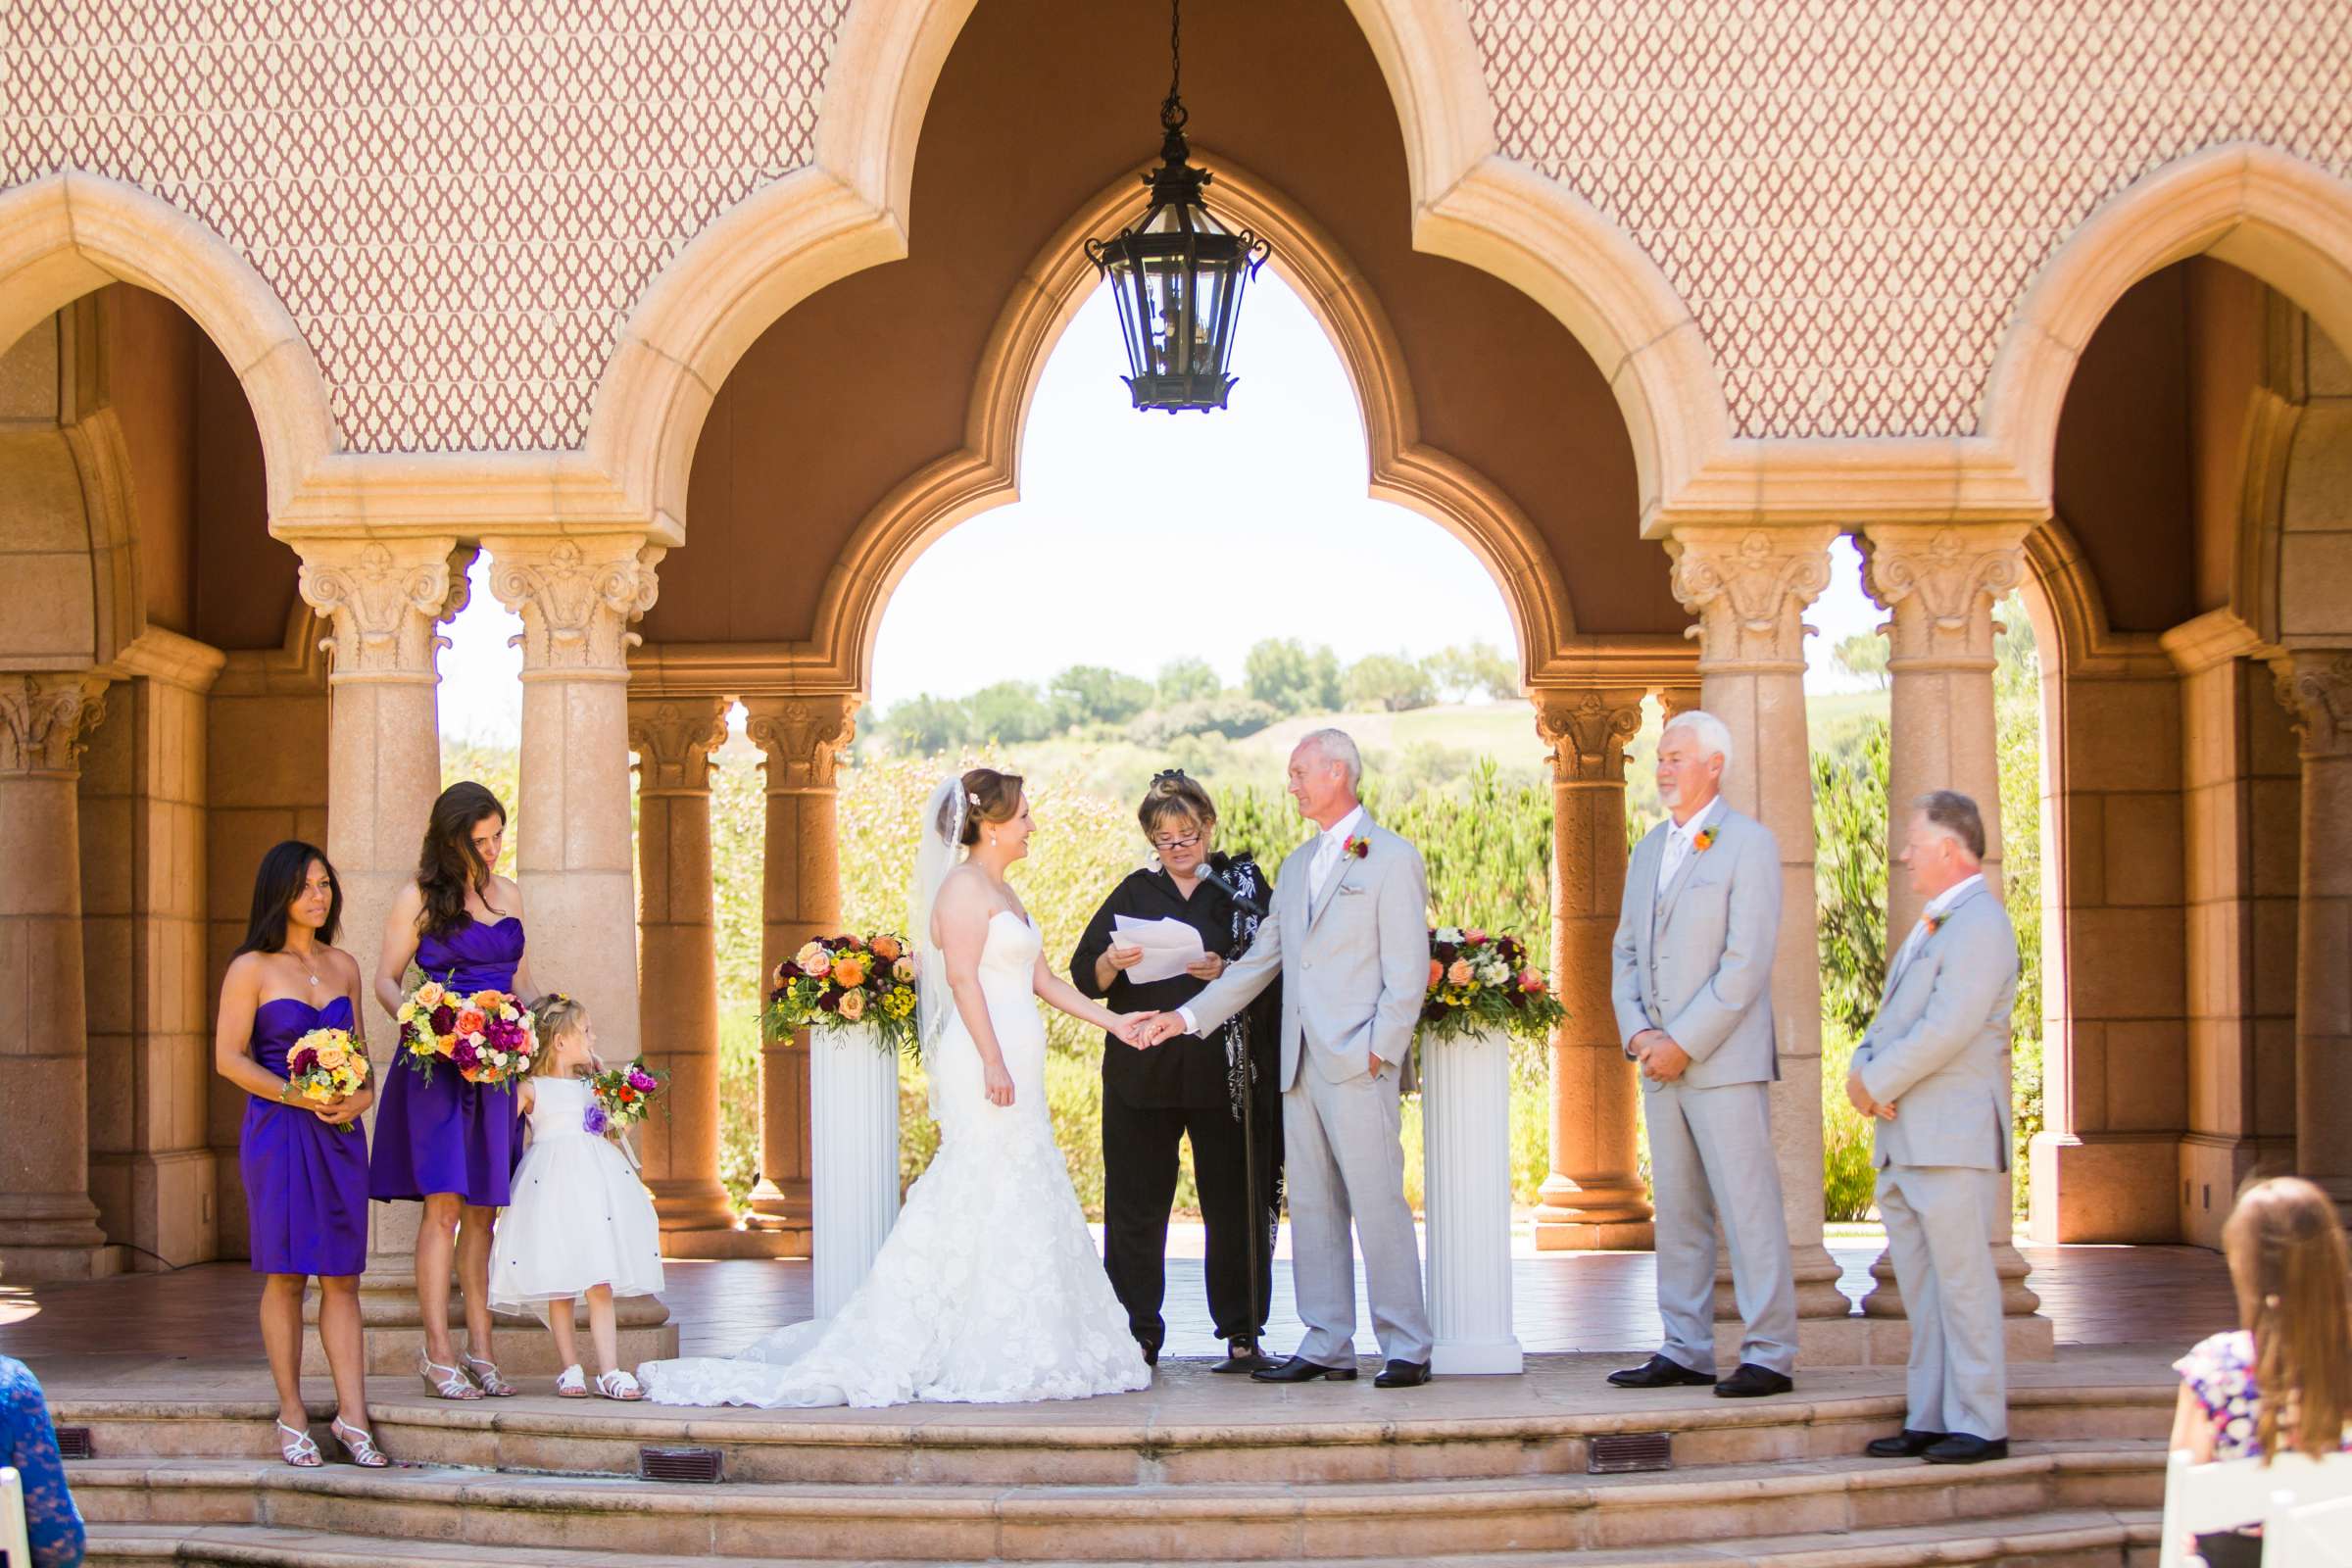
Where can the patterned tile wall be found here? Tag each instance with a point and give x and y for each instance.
(458, 200)
(1852, 196)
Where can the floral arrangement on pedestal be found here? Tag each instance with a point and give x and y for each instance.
(1482, 981)
(836, 982)
(326, 1066)
(486, 1035)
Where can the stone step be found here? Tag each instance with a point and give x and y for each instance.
(1202, 1520)
(933, 1445)
(2079, 1538)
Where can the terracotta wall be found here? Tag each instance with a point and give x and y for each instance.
(150, 349)
(1041, 105)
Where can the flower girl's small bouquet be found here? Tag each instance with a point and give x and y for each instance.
(486, 1035)
(326, 1067)
(1482, 980)
(622, 1096)
(837, 981)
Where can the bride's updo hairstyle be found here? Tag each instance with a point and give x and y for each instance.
(988, 797)
(1175, 802)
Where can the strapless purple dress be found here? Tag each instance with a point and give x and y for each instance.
(306, 1183)
(450, 1135)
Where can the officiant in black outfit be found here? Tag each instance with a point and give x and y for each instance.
(1153, 1098)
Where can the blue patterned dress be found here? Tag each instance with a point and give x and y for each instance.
(29, 1444)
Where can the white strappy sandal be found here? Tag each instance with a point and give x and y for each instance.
(361, 1445)
(298, 1448)
(571, 1383)
(619, 1384)
(448, 1381)
(493, 1382)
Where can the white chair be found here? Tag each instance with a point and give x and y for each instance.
(2199, 1498)
(14, 1549)
(2305, 1534)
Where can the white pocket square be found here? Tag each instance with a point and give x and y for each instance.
(1347, 892)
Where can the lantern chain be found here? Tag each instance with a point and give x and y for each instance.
(1171, 113)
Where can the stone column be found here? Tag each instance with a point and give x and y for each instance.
(1939, 586)
(383, 601)
(2315, 685)
(1750, 588)
(1593, 1196)
(803, 739)
(576, 597)
(678, 963)
(48, 1224)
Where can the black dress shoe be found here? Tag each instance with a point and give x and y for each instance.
(1402, 1375)
(1962, 1448)
(1905, 1445)
(1150, 1352)
(1661, 1372)
(1299, 1369)
(1243, 1356)
(1753, 1382)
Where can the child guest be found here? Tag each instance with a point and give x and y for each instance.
(580, 1223)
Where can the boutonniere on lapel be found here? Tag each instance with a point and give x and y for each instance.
(1934, 923)
(1702, 841)
(1356, 847)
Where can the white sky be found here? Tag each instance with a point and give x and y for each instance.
(1141, 538)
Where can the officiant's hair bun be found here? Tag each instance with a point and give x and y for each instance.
(1173, 799)
(988, 797)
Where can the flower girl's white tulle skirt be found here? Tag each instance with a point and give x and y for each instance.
(579, 1216)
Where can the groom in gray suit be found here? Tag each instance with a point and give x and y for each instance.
(1348, 934)
(1691, 980)
(1933, 1070)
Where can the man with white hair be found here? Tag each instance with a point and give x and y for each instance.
(1348, 934)
(1691, 980)
(1932, 1068)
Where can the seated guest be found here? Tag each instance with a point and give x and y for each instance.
(1153, 1098)
(29, 1447)
(2285, 1380)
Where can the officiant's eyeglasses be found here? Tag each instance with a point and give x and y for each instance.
(1164, 844)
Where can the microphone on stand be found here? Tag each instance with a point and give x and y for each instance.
(1227, 886)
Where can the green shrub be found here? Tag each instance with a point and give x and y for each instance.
(1847, 1181)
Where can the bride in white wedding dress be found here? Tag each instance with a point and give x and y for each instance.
(988, 1289)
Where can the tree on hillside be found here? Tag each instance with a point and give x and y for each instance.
(1009, 711)
(1229, 713)
(1390, 682)
(1864, 656)
(923, 725)
(1466, 674)
(1186, 680)
(1283, 674)
(1089, 693)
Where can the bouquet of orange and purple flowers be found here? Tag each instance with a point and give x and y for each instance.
(622, 1096)
(1481, 980)
(834, 982)
(486, 1035)
(327, 1067)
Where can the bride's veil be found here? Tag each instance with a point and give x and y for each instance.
(938, 851)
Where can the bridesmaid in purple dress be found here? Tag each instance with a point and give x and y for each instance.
(305, 1167)
(450, 1143)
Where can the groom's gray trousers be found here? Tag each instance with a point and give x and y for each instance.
(1341, 1139)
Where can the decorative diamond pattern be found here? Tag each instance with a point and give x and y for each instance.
(1852, 195)
(458, 200)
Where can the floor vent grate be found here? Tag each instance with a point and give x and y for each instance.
(1620, 1452)
(680, 1464)
(74, 1442)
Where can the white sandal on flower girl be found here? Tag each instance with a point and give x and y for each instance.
(298, 1448)
(617, 1385)
(571, 1383)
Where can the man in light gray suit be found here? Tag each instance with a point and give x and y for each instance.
(1691, 980)
(1933, 1070)
(1348, 934)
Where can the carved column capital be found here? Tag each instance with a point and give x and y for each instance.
(45, 722)
(576, 598)
(382, 598)
(2315, 687)
(1750, 588)
(673, 739)
(1676, 700)
(1938, 585)
(802, 738)
(1588, 731)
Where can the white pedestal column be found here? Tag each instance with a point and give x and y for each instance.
(1466, 1188)
(854, 1177)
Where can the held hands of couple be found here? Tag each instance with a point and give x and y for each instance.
(1136, 1028)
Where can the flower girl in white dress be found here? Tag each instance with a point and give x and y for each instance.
(580, 1222)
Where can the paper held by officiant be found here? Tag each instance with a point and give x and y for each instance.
(1170, 946)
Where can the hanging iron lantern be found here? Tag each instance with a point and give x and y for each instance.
(1178, 275)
